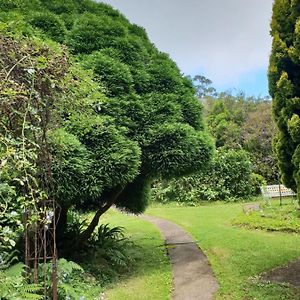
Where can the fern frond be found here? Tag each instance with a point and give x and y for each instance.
(15, 270)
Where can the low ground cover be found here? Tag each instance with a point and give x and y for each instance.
(238, 255)
(272, 217)
(126, 260)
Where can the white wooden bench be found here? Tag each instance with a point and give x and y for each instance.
(275, 191)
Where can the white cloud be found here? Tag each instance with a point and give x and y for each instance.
(224, 39)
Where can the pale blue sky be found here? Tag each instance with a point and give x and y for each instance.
(225, 40)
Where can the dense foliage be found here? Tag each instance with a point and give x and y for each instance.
(31, 75)
(119, 113)
(284, 72)
(227, 178)
(243, 128)
(13, 285)
(239, 122)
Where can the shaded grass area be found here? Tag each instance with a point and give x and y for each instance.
(150, 276)
(237, 255)
(272, 217)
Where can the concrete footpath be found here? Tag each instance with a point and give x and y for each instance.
(192, 275)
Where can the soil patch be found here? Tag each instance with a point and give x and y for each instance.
(287, 274)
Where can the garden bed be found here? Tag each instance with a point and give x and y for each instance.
(272, 217)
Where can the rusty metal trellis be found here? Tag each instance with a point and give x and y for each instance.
(40, 244)
(40, 235)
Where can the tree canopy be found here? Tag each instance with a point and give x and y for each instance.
(122, 114)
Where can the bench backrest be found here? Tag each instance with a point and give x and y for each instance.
(273, 191)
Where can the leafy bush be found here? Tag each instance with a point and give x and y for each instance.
(60, 7)
(165, 75)
(233, 167)
(73, 282)
(256, 182)
(111, 252)
(132, 51)
(176, 149)
(69, 166)
(227, 178)
(141, 79)
(107, 254)
(8, 4)
(135, 191)
(13, 4)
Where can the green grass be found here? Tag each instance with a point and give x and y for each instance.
(272, 217)
(150, 277)
(237, 255)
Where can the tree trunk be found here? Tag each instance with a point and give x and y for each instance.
(86, 234)
(61, 219)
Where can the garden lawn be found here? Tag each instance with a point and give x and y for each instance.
(237, 255)
(151, 276)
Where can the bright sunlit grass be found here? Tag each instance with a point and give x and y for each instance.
(237, 255)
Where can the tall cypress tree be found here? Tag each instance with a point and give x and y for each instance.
(284, 87)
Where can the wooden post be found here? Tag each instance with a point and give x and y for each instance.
(280, 195)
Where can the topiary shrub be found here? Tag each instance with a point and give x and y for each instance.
(50, 24)
(113, 74)
(165, 75)
(91, 32)
(60, 7)
(6, 5)
(175, 149)
(125, 140)
(132, 51)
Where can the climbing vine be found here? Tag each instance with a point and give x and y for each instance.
(30, 75)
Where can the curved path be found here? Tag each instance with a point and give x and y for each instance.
(192, 275)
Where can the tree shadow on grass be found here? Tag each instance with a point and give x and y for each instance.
(127, 260)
